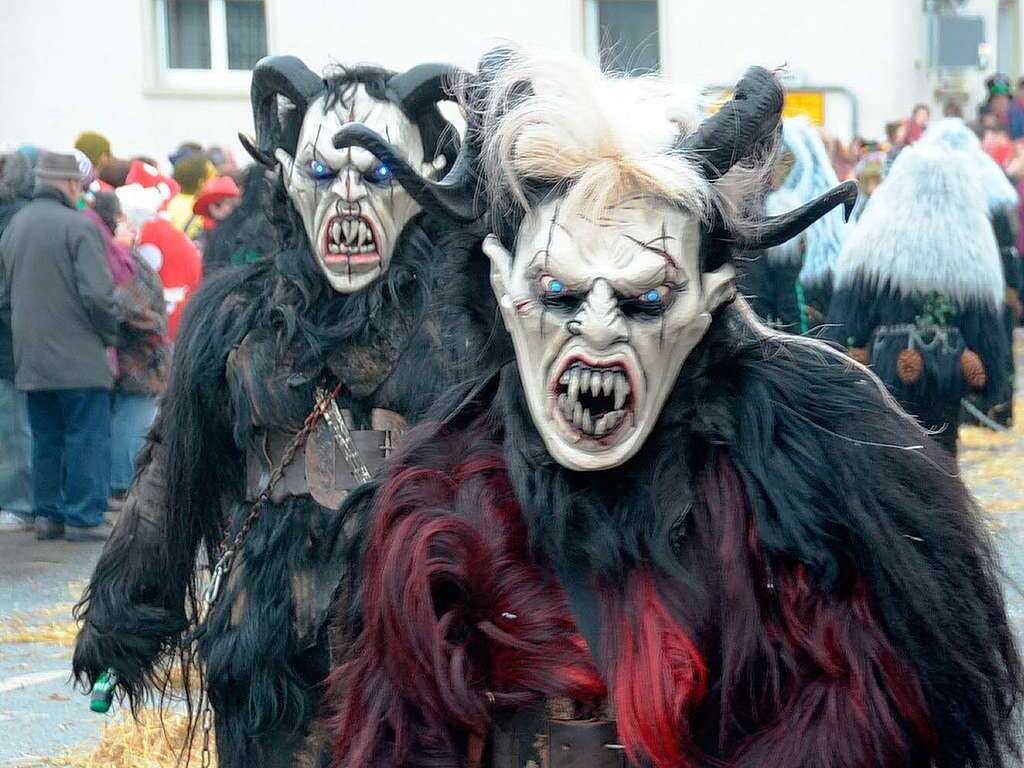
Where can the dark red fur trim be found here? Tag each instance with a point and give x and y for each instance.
(833, 691)
(457, 618)
(658, 675)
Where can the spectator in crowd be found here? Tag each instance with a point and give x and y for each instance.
(142, 355)
(175, 258)
(995, 112)
(1016, 112)
(214, 203)
(191, 172)
(952, 109)
(995, 140)
(246, 235)
(16, 183)
(114, 173)
(95, 146)
(919, 120)
(56, 289)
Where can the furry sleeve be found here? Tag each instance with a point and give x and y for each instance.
(142, 591)
(883, 568)
(133, 609)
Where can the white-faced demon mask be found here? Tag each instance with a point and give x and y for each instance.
(352, 209)
(602, 315)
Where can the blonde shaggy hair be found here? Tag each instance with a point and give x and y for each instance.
(601, 140)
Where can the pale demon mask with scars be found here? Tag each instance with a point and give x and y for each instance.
(351, 207)
(602, 315)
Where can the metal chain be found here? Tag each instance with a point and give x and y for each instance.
(343, 437)
(325, 401)
(206, 757)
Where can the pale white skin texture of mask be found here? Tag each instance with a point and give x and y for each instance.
(636, 248)
(369, 209)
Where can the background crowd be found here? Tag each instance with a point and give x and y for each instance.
(99, 255)
(118, 247)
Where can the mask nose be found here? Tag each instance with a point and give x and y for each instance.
(600, 322)
(349, 186)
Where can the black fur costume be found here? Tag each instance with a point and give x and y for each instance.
(920, 311)
(255, 342)
(787, 574)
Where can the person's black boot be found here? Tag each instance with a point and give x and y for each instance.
(47, 528)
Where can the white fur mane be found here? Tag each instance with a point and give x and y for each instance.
(926, 230)
(953, 133)
(599, 140)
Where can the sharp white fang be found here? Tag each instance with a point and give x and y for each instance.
(346, 228)
(595, 383)
(336, 231)
(564, 378)
(608, 382)
(574, 384)
(585, 380)
(577, 414)
(364, 233)
(621, 390)
(601, 426)
(587, 424)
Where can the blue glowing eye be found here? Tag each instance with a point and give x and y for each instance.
(652, 296)
(320, 170)
(555, 287)
(382, 172)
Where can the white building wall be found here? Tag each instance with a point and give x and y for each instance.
(69, 65)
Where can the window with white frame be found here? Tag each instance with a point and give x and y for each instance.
(200, 39)
(623, 35)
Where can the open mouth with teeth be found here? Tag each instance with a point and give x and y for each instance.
(594, 399)
(350, 243)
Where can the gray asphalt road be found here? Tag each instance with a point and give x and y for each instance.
(40, 713)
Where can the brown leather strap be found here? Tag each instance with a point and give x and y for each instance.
(318, 468)
(529, 737)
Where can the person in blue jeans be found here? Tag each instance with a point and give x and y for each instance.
(57, 295)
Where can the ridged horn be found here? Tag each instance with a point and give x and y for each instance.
(275, 76)
(745, 123)
(421, 87)
(453, 197)
(778, 229)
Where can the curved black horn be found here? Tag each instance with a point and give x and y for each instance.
(778, 229)
(742, 125)
(275, 76)
(421, 87)
(454, 197)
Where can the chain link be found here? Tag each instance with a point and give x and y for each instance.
(343, 437)
(325, 401)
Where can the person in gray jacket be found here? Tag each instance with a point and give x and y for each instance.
(17, 180)
(57, 293)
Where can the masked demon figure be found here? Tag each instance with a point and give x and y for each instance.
(293, 379)
(919, 289)
(1002, 200)
(664, 535)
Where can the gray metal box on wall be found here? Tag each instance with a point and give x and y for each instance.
(957, 41)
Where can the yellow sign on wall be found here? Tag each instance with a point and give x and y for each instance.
(810, 104)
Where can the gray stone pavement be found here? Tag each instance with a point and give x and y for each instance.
(41, 715)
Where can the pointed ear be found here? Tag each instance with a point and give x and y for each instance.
(719, 286)
(286, 162)
(501, 268)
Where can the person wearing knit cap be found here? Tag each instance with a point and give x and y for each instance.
(191, 172)
(95, 146)
(57, 293)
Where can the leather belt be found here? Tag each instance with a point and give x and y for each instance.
(530, 737)
(319, 468)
